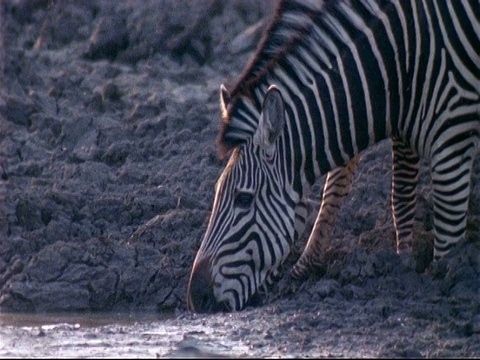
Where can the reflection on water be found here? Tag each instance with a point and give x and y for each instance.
(93, 335)
(85, 319)
(90, 334)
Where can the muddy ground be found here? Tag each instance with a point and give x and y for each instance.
(108, 114)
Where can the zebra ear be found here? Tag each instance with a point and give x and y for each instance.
(224, 100)
(272, 119)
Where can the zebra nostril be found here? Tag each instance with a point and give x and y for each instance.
(200, 296)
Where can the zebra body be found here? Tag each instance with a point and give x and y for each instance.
(330, 79)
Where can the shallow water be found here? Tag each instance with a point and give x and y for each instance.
(382, 327)
(85, 320)
(86, 335)
(109, 335)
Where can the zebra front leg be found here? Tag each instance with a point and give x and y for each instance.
(405, 165)
(337, 186)
(451, 168)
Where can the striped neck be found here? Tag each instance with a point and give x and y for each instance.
(338, 66)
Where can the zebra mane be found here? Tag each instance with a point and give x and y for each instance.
(277, 41)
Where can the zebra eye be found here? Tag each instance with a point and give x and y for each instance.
(243, 200)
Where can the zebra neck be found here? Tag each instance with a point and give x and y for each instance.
(341, 95)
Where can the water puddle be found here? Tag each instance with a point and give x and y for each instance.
(88, 335)
(86, 320)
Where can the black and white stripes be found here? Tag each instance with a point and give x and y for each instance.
(345, 75)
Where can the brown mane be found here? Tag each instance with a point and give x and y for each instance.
(255, 69)
(266, 57)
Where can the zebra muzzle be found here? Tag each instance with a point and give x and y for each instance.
(200, 295)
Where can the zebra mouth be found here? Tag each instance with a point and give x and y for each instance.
(201, 299)
(255, 300)
(209, 305)
(202, 287)
(200, 294)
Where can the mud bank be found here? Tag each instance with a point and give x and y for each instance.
(108, 114)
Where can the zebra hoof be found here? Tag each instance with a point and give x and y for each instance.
(288, 284)
(408, 261)
(438, 268)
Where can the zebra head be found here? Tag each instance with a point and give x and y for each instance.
(256, 215)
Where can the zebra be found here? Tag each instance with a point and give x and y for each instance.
(328, 80)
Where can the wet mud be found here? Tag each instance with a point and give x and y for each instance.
(108, 115)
